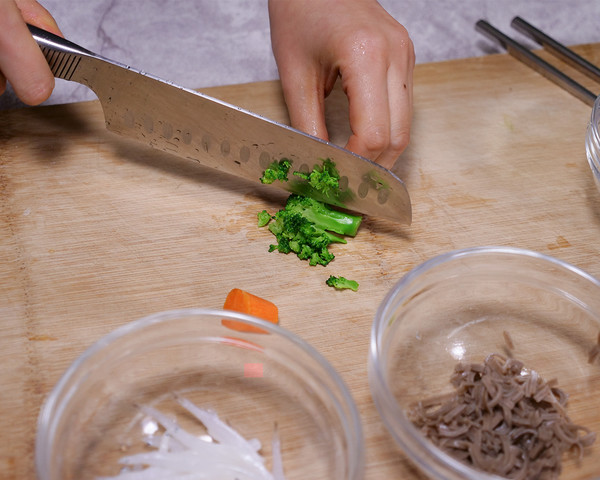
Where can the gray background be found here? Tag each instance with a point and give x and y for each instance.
(203, 43)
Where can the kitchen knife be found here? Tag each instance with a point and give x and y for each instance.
(215, 134)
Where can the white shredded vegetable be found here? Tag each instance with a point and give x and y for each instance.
(176, 454)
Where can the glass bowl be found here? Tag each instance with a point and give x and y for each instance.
(592, 142)
(465, 305)
(264, 385)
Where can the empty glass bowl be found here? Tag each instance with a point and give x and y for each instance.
(465, 305)
(592, 142)
(258, 383)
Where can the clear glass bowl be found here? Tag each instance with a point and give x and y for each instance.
(592, 142)
(461, 306)
(253, 381)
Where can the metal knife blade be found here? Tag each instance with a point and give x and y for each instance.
(216, 134)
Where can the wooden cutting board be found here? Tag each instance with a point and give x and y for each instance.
(96, 231)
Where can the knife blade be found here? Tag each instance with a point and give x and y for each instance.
(216, 134)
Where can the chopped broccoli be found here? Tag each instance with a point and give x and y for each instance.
(324, 179)
(304, 227)
(342, 283)
(278, 170)
(264, 218)
(322, 216)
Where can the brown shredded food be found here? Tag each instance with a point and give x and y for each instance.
(508, 340)
(595, 351)
(503, 419)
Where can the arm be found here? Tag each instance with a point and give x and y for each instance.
(21, 60)
(315, 41)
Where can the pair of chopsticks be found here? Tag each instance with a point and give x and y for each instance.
(532, 60)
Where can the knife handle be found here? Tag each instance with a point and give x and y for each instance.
(63, 57)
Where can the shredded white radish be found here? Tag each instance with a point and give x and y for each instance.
(221, 432)
(223, 454)
(277, 466)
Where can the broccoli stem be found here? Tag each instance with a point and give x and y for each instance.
(323, 216)
(341, 283)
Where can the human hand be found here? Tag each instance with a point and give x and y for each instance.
(21, 60)
(315, 41)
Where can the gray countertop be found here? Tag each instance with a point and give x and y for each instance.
(202, 43)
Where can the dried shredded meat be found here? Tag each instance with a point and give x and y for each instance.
(595, 351)
(503, 419)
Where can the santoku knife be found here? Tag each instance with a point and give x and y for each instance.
(213, 133)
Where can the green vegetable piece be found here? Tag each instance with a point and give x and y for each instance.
(307, 227)
(324, 179)
(264, 218)
(323, 216)
(341, 283)
(278, 170)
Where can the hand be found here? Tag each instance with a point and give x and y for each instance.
(21, 60)
(315, 41)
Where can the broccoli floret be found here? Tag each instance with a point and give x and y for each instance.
(304, 226)
(324, 179)
(342, 283)
(264, 218)
(278, 170)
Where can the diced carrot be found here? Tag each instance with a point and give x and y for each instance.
(241, 301)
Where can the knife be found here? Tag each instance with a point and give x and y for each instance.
(216, 134)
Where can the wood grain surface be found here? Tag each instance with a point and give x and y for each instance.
(96, 231)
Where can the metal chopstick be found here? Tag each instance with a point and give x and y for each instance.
(537, 63)
(557, 49)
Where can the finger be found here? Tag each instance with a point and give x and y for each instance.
(2, 84)
(400, 97)
(21, 60)
(35, 14)
(305, 99)
(366, 86)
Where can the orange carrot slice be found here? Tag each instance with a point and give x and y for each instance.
(241, 301)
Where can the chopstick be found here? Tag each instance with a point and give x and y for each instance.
(538, 64)
(557, 49)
